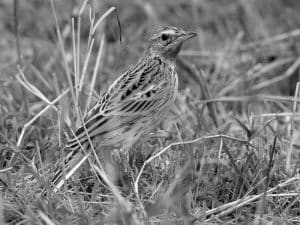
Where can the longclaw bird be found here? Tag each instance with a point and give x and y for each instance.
(132, 105)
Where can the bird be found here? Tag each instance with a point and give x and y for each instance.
(132, 105)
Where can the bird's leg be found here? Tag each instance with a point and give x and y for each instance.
(110, 166)
(126, 169)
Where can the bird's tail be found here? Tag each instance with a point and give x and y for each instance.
(74, 158)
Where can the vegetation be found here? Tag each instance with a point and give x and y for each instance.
(227, 153)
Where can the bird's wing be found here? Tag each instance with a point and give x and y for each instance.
(138, 103)
(143, 102)
(138, 91)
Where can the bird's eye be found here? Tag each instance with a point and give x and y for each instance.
(164, 37)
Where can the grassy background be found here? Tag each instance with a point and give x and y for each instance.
(234, 127)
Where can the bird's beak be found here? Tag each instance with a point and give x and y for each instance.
(187, 36)
(191, 35)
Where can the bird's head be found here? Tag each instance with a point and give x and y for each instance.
(167, 41)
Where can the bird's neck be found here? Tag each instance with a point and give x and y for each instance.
(170, 60)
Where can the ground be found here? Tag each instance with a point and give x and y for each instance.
(228, 151)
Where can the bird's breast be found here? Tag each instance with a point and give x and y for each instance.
(172, 80)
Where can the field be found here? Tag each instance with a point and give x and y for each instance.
(228, 152)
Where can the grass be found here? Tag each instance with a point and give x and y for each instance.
(227, 153)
